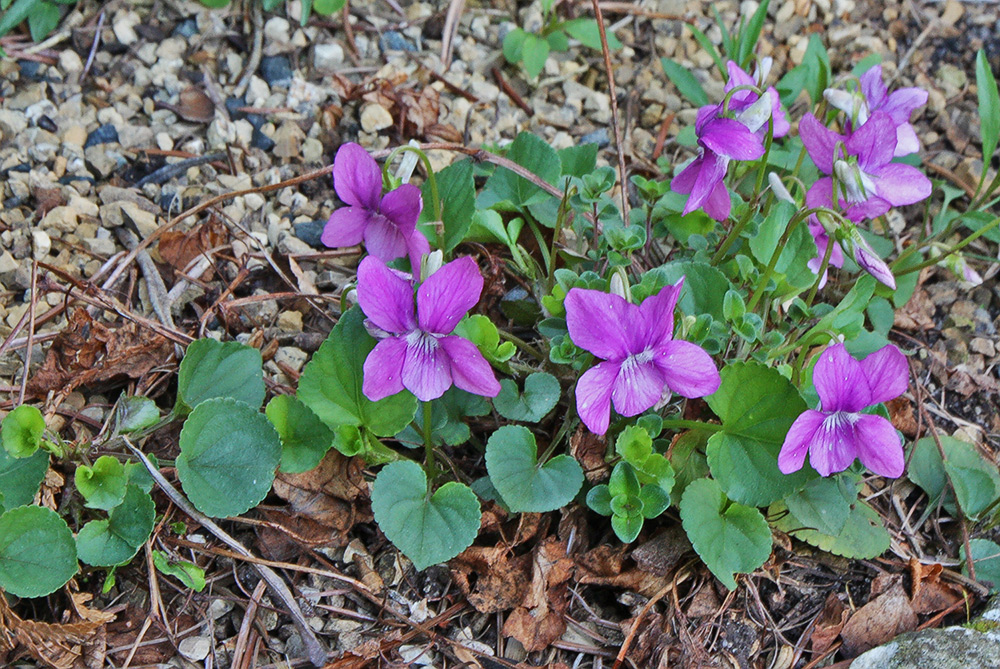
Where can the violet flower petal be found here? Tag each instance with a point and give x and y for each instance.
(800, 435)
(357, 177)
(873, 142)
(869, 261)
(638, 386)
(469, 369)
(730, 138)
(689, 370)
(903, 102)
(711, 172)
(684, 180)
(596, 323)
(900, 184)
(779, 120)
(346, 227)
(426, 367)
(402, 206)
(383, 369)
(820, 142)
(448, 294)
(873, 87)
(417, 247)
(385, 297)
(383, 239)
(718, 205)
(887, 372)
(878, 446)
(840, 381)
(593, 396)
(907, 141)
(834, 445)
(658, 314)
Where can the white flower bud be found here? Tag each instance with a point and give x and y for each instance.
(857, 185)
(755, 116)
(620, 285)
(431, 263)
(408, 163)
(778, 188)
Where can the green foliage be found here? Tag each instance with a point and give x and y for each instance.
(863, 535)
(212, 369)
(482, 332)
(525, 484)
(20, 478)
(986, 559)
(105, 543)
(507, 191)
(426, 528)
(37, 551)
(531, 50)
(457, 193)
(730, 538)
(686, 83)
(21, 431)
(989, 107)
(541, 393)
(134, 414)
(229, 453)
(628, 501)
(103, 485)
(824, 504)
(976, 481)
(43, 16)
(635, 446)
(191, 575)
(812, 75)
(305, 439)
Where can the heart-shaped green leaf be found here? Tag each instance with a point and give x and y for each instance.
(212, 369)
(729, 537)
(305, 439)
(863, 536)
(136, 413)
(21, 431)
(541, 393)
(986, 558)
(824, 504)
(524, 484)
(331, 383)
(37, 551)
(20, 477)
(229, 452)
(428, 529)
(977, 483)
(105, 543)
(103, 485)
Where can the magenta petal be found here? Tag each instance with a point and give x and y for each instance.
(385, 297)
(874, 142)
(417, 247)
(402, 206)
(797, 441)
(658, 314)
(834, 445)
(383, 239)
(730, 138)
(426, 367)
(447, 294)
(718, 205)
(683, 182)
(779, 119)
(820, 142)
(840, 381)
(711, 172)
(903, 102)
(346, 227)
(469, 369)
(357, 177)
(900, 184)
(907, 141)
(596, 322)
(887, 372)
(869, 261)
(689, 371)
(878, 446)
(873, 87)
(873, 207)
(639, 386)
(593, 396)
(820, 194)
(383, 369)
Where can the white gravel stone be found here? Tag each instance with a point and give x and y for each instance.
(375, 117)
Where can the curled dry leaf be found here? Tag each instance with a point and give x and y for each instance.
(178, 249)
(829, 623)
(930, 593)
(501, 580)
(56, 645)
(539, 620)
(880, 620)
(589, 450)
(327, 495)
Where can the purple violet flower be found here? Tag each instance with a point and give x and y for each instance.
(822, 239)
(870, 183)
(417, 350)
(387, 224)
(838, 432)
(641, 360)
(742, 99)
(859, 105)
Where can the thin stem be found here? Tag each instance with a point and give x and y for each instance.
(540, 240)
(955, 249)
(800, 360)
(822, 272)
(522, 345)
(761, 287)
(429, 464)
(613, 96)
(683, 424)
(737, 229)
(431, 179)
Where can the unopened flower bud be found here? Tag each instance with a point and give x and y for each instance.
(852, 104)
(778, 188)
(408, 163)
(869, 261)
(431, 263)
(763, 69)
(619, 284)
(857, 186)
(960, 266)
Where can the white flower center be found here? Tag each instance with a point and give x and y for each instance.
(634, 361)
(854, 183)
(425, 342)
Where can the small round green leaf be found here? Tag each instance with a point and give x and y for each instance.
(599, 499)
(20, 477)
(105, 543)
(729, 537)
(37, 551)
(541, 393)
(21, 431)
(103, 485)
(136, 413)
(229, 453)
(305, 439)
(212, 369)
(524, 484)
(428, 529)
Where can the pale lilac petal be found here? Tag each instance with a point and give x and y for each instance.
(383, 369)
(873, 207)
(873, 87)
(887, 373)
(383, 239)
(900, 184)
(346, 227)
(730, 138)
(800, 436)
(779, 119)
(597, 322)
(658, 314)
(840, 381)
(639, 386)
(820, 194)
(718, 205)
(874, 142)
(869, 261)
(426, 367)
(820, 142)
(907, 141)
(737, 77)
(469, 369)
(593, 396)
(402, 206)
(903, 102)
(683, 182)
(417, 247)
(689, 371)
(385, 297)
(705, 114)
(448, 294)
(878, 446)
(711, 172)
(357, 177)
(834, 445)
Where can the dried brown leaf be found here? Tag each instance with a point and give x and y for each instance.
(829, 623)
(195, 106)
(589, 450)
(880, 620)
(56, 645)
(501, 581)
(930, 593)
(539, 620)
(178, 249)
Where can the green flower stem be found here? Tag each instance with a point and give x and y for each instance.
(431, 179)
(681, 424)
(561, 216)
(429, 463)
(540, 240)
(737, 229)
(758, 291)
(955, 249)
(522, 345)
(800, 360)
(822, 270)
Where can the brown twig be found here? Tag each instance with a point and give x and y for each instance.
(638, 620)
(257, 22)
(455, 9)
(247, 625)
(31, 330)
(509, 91)
(613, 95)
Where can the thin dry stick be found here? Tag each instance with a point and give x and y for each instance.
(257, 22)
(638, 620)
(247, 625)
(314, 649)
(614, 108)
(31, 330)
(455, 9)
